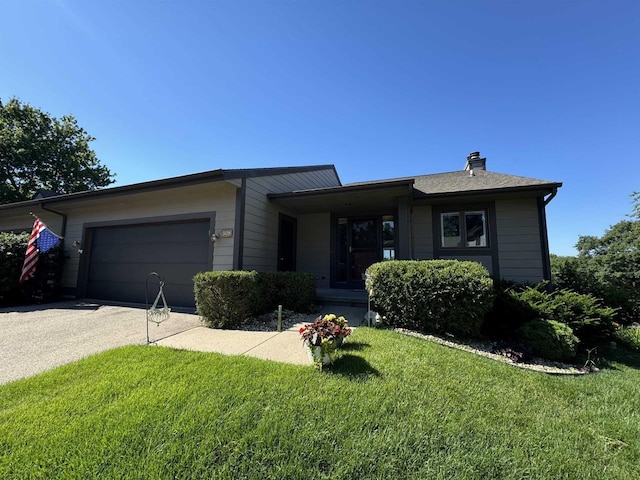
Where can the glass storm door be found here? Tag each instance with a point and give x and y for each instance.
(364, 246)
(358, 247)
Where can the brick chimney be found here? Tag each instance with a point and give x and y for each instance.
(474, 162)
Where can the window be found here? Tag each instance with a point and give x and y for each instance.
(388, 238)
(465, 229)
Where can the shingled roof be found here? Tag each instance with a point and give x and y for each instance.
(480, 180)
(463, 181)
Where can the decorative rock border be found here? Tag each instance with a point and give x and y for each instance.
(484, 349)
(268, 321)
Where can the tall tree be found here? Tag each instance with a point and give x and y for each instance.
(39, 151)
(613, 261)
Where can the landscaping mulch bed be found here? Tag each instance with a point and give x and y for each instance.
(269, 321)
(485, 349)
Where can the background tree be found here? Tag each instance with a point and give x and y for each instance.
(39, 151)
(607, 266)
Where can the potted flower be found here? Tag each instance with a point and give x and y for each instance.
(341, 322)
(320, 338)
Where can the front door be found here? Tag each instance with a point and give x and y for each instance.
(287, 244)
(359, 246)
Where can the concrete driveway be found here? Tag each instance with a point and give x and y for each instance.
(37, 338)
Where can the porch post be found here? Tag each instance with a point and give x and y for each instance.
(404, 229)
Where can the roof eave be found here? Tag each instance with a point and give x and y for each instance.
(165, 183)
(233, 174)
(328, 191)
(348, 199)
(542, 189)
(153, 185)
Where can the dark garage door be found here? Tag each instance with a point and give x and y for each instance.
(123, 256)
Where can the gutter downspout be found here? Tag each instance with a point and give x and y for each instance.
(63, 234)
(411, 242)
(544, 236)
(63, 229)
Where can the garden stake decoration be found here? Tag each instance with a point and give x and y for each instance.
(367, 283)
(155, 314)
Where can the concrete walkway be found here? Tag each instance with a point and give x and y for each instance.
(285, 346)
(281, 347)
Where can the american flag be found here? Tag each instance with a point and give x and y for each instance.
(41, 241)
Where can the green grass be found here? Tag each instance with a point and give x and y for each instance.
(391, 407)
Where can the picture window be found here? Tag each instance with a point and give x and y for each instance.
(464, 229)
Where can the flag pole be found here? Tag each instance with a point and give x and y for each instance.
(48, 228)
(41, 240)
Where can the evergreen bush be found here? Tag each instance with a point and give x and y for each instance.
(432, 295)
(44, 286)
(629, 337)
(550, 339)
(12, 251)
(592, 322)
(508, 313)
(295, 291)
(226, 299)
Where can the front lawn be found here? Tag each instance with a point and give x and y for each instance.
(392, 407)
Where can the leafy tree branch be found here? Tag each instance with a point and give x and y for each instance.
(39, 151)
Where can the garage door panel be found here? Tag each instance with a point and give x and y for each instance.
(137, 272)
(186, 252)
(156, 233)
(121, 257)
(135, 292)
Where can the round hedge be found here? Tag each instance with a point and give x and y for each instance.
(550, 339)
(448, 296)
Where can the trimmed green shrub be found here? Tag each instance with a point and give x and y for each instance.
(12, 251)
(432, 295)
(629, 337)
(295, 291)
(508, 313)
(589, 320)
(45, 284)
(550, 339)
(226, 299)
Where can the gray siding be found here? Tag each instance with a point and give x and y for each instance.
(314, 251)
(23, 221)
(261, 216)
(519, 246)
(422, 233)
(216, 197)
(485, 260)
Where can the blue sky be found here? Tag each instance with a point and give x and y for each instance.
(380, 89)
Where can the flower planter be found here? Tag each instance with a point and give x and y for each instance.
(320, 355)
(322, 337)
